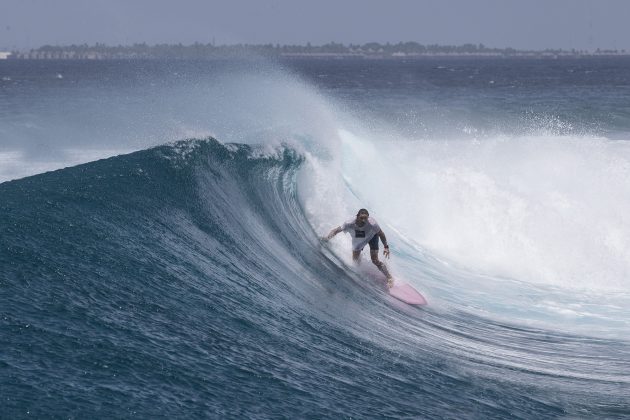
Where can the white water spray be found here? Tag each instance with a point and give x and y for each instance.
(546, 210)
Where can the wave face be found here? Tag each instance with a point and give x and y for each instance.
(187, 281)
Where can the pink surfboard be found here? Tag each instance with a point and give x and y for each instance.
(406, 293)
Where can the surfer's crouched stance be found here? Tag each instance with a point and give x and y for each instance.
(365, 230)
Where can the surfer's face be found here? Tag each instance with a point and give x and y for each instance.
(362, 218)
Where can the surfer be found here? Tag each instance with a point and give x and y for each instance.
(365, 230)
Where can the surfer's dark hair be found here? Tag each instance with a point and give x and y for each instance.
(363, 211)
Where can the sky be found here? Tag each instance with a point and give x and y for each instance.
(524, 24)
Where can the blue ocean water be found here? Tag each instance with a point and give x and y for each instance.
(159, 252)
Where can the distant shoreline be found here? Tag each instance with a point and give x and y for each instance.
(374, 51)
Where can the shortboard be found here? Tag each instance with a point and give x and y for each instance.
(406, 293)
(400, 290)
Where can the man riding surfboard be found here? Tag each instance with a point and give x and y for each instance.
(365, 231)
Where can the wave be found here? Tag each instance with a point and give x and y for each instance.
(187, 279)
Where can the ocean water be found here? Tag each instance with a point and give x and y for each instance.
(159, 252)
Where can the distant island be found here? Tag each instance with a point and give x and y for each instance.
(371, 50)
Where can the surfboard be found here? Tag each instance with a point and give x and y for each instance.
(406, 293)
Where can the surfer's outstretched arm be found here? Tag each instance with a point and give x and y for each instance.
(381, 235)
(333, 233)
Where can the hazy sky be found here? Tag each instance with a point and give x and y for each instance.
(523, 24)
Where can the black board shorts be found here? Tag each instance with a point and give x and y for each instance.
(374, 243)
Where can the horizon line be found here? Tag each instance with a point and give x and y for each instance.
(476, 46)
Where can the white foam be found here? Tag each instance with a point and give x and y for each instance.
(547, 209)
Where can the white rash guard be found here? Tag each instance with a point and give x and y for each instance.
(361, 235)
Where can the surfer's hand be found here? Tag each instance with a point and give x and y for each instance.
(386, 252)
(390, 283)
(324, 239)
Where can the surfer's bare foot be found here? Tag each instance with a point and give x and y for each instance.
(390, 282)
